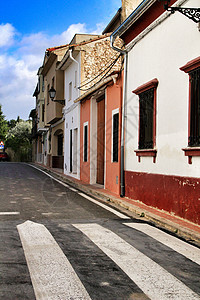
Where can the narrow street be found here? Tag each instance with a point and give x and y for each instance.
(58, 243)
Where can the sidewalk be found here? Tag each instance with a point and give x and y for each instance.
(162, 219)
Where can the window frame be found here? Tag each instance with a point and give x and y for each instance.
(114, 113)
(48, 97)
(85, 147)
(138, 91)
(188, 68)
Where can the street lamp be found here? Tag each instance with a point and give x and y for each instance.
(191, 13)
(52, 94)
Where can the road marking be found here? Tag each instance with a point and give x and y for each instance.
(120, 215)
(51, 273)
(172, 242)
(64, 184)
(151, 278)
(72, 189)
(7, 213)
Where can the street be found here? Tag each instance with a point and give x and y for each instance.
(58, 243)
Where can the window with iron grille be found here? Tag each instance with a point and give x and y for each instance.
(146, 119)
(194, 131)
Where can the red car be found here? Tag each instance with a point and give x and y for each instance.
(4, 156)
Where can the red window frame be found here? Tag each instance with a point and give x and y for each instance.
(187, 68)
(143, 88)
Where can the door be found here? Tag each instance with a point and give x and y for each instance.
(100, 140)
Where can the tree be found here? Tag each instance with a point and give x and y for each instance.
(3, 125)
(19, 139)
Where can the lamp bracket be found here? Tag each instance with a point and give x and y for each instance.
(191, 13)
(59, 101)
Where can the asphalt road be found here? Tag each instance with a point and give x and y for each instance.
(58, 244)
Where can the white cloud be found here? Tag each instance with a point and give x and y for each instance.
(18, 69)
(7, 33)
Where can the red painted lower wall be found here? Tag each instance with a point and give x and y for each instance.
(175, 194)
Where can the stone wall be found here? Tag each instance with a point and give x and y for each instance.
(97, 58)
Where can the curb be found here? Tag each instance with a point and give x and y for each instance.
(124, 206)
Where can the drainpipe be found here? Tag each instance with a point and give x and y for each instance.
(125, 53)
(73, 59)
(126, 24)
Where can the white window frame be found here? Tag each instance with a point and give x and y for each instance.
(114, 112)
(84, 125)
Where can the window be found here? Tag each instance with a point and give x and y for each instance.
(70, 91)
(146, 113)
(115, 135)
(38, 84)
(147, 119)
(42, 83)
(48, 88)
(42, 112)
(85, 142)
(193, 69)
(194, 137)
(75, 79)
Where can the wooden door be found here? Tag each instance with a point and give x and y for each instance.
(100, 140)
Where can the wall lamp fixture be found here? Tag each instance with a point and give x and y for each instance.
(52, 94)
(191, 13)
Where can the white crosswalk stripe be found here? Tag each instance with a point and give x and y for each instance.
(182, 247)
(53, 276)
(51, 273)
(152, 279)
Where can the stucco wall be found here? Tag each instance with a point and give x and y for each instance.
(170, 183)
(160, 55)
(84, 118)
(72, 118)
(112, 169)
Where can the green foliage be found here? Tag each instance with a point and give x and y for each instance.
(19, 139)
(3, 125)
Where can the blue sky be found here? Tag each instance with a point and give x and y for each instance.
(27, 28)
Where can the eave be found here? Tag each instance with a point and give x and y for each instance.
(96, 87)
(48, 64)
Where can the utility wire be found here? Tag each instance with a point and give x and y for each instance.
(103, 70)
(110, 67)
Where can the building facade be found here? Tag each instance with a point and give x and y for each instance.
(162, 148)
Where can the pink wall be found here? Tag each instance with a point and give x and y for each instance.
(84, 117)
(113, 101)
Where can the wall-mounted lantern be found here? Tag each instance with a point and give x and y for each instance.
(52, 94)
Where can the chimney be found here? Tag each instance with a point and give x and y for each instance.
(128, 6)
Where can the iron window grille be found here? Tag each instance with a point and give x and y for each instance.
(194, 137)
(146, 116)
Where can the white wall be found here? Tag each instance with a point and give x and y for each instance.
(72, 118)
(159, 55)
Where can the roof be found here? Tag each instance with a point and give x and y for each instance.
(114, 23)
(132, 18)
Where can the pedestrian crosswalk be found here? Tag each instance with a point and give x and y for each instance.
(109, 260)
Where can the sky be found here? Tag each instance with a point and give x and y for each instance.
(27, 29)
